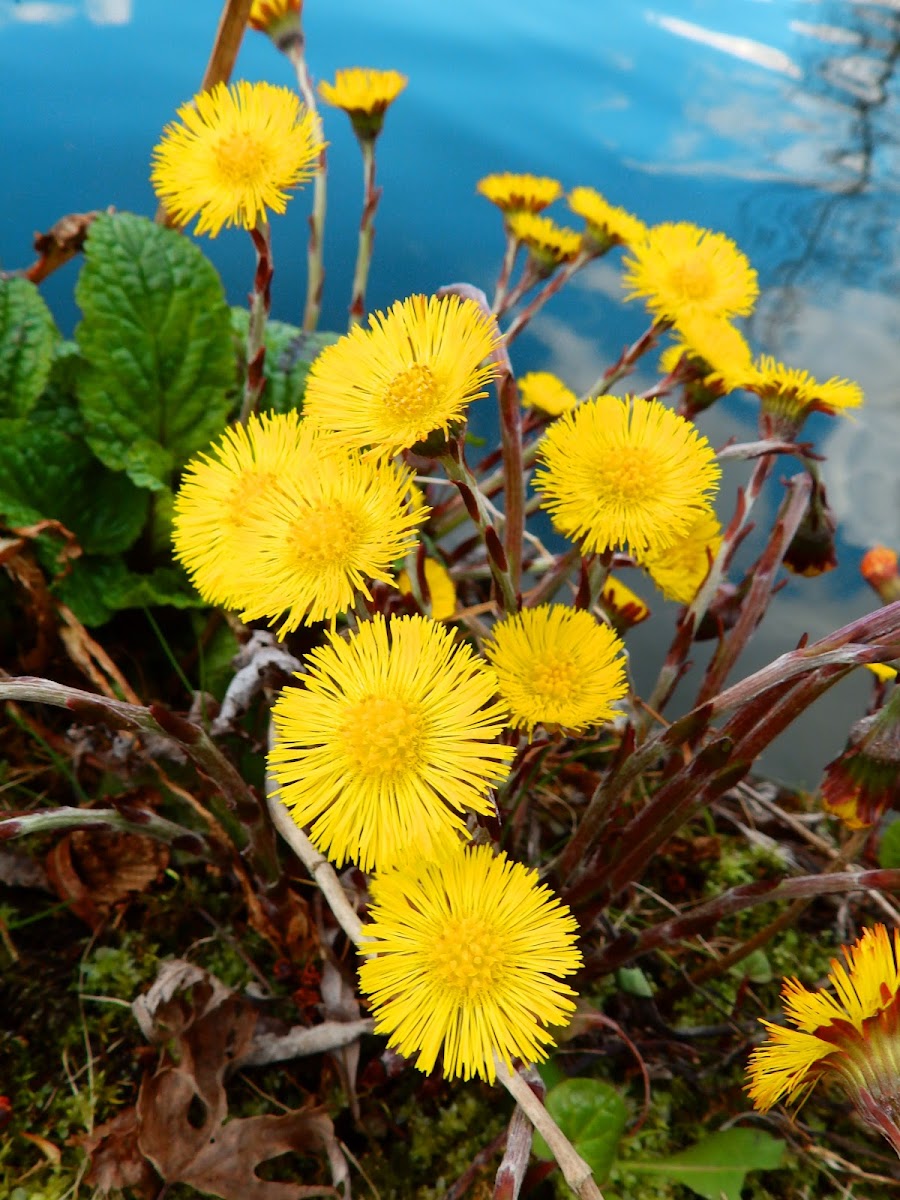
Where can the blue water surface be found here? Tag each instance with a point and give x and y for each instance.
(772, 120)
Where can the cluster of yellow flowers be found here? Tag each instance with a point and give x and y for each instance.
(397, 730)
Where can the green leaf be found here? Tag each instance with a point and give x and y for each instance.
(889, 847)
(592, 1115)
(716, 1166)
(27, 338)
(156, 340)
(289, 355)
(50, 472)
(98, 587)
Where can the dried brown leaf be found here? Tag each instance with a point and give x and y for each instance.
(116, 1159)
(94, 869)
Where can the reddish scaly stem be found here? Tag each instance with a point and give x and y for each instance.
(371, 196)
(260, 306)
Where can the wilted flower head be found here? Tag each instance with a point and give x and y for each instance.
(467, 959)
(234, 154)
(863, 782)
(851, 1037)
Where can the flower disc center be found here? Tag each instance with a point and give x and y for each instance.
(325, 537)
(554, 679)
(627, 475)
(469, 957)
(413, 393)
(693, 279)
(242, 159)
(383, 737)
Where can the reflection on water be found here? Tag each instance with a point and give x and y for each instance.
(774, 122)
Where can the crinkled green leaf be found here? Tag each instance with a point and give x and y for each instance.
(156, 340)
(27, 339)
(98, 587)
(289, 355)
(47, 471)
(592, 1115)
(716, 1166)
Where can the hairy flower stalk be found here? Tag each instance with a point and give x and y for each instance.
(260, 307)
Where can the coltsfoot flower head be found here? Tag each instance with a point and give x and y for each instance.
(548, 244)
(364, 94)
(719, 359)
(468, 957)
(441, 589)
(279, 19)
(221, 493)
(679, 570)
(624, 607)
(682, 270)
(233, 155)
(413, 371)
(391, 738)
(789, 395)
(541, 389)
(625, 473)
(607, 225)
(519, 193)
(558, 667)
(329, 529)
(852, 1037)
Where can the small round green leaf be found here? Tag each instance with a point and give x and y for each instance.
(592, 1115)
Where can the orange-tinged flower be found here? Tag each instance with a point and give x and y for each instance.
(879, 569)
(851, 1036)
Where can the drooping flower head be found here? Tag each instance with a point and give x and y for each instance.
(812, 550)
(441, 589)
(852, 1036)
(863, 782)
(468, 957)
(221, 493)
(342, 521)
(388, 742)
(364, 94)
(413, 371)
(540, 389)
(625, 473)
(233, 155)
(607, 224)
(679, 569)
(519, 193)
(682, 270)
(279, 19)
(789, 395)
(558, 667)
(547, 243)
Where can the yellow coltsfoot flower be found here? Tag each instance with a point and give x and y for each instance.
(607, 225)
(233, 156)
(415, 370)
(441, 589)
(680, 569)
(623, 607)
(342, 521)
(851, 1037)
(541, 389)
(625, 473)
(388, 742)
(717, 352)
(682, 270)
(789, 395)
(467, 958)
(223, 490)
(558, 667)
(279, 19)
(519, 193)
(364, 94)
(548, 244)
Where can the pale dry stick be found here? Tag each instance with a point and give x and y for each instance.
(315, 271)
(576, 1172)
